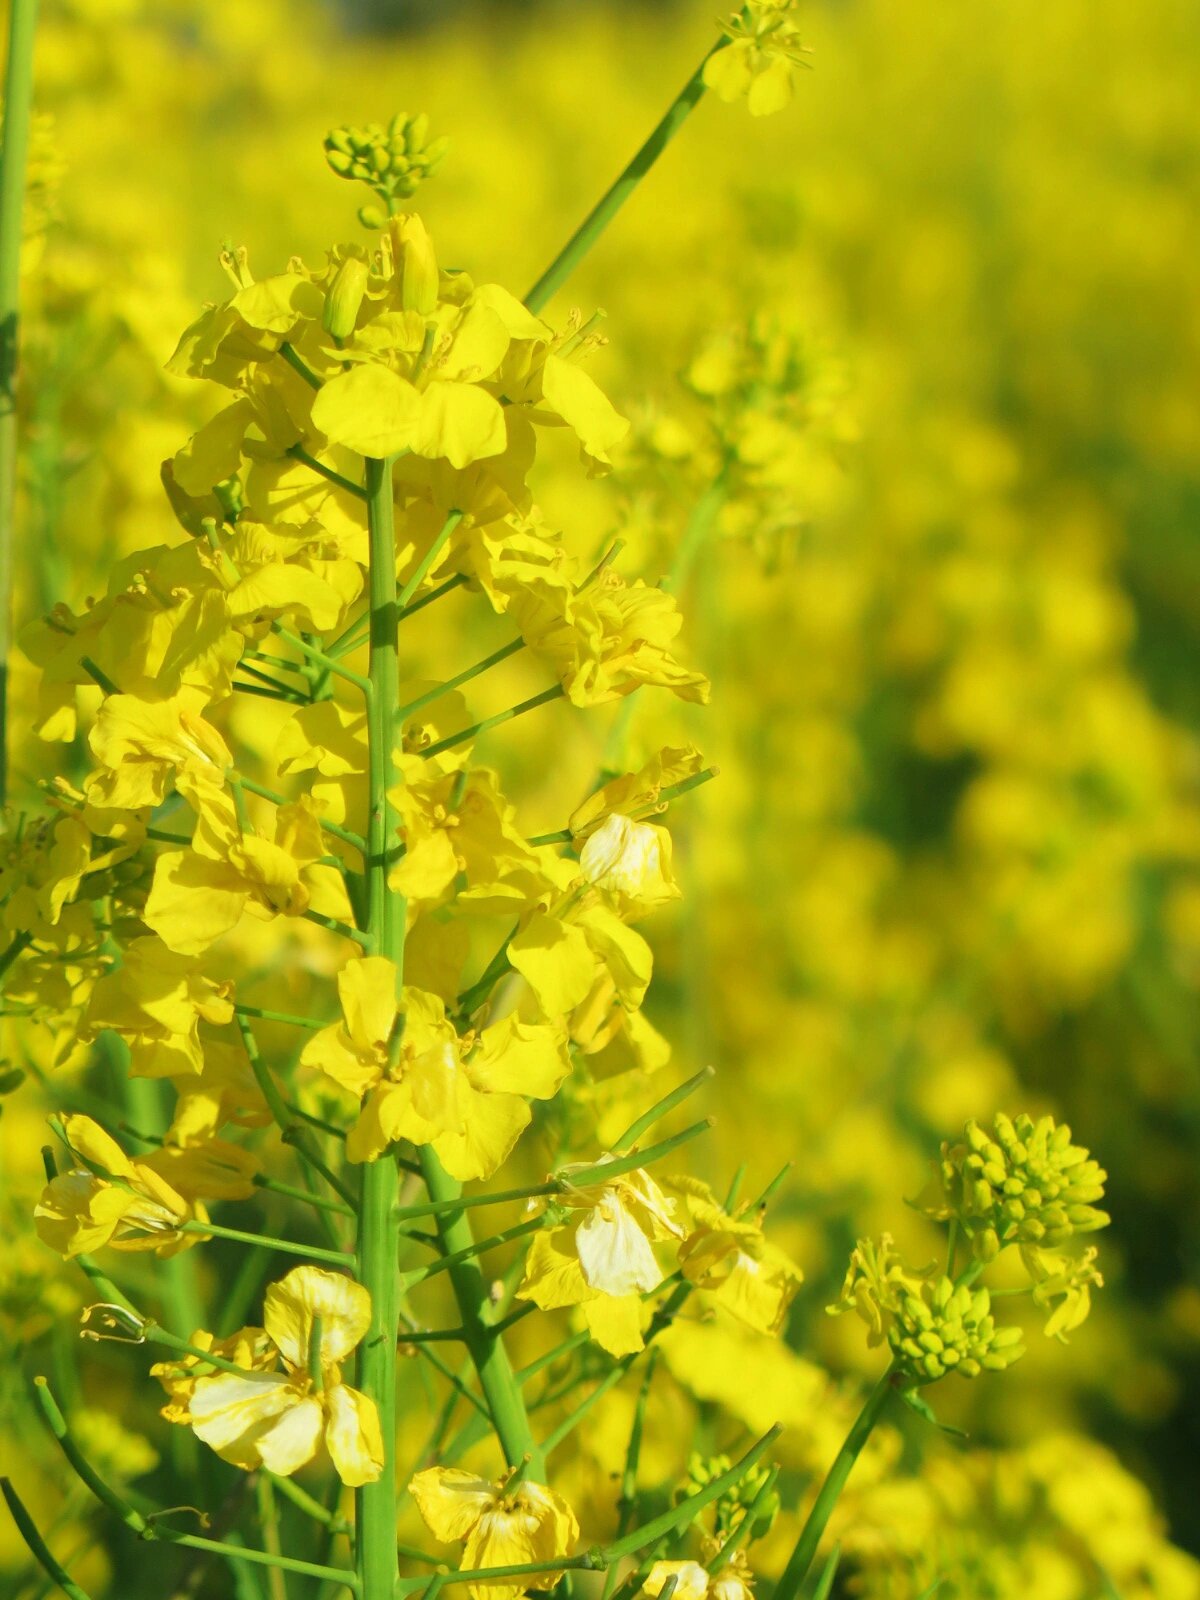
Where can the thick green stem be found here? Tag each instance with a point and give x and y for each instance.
(484, 1344)
(830, 1492)
(606, 208)
(379, 1229)
(14, 156)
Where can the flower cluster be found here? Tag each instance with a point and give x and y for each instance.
(393, 162)
(1032, 1188)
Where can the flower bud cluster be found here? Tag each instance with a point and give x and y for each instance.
(950, 1328)
(1027, 1186)
(1025, 1182)
(393, 161)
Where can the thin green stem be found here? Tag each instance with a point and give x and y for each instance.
(305, 1502)
(14, 157)
(337, 1258)
(478, 1247)
(660, 1109)
(688, 1509)
(311, 652)
(606, 208)
(830, 1491)
(299, 453)
(79, 1463)
(278, 1016)
(260, 789)
(436, 547)
(292, 1134)
(436, 1208)
(546, 696)
(605, 1171)
(298, 364)
(466, 676)
(268, 1517)
(38, 1547)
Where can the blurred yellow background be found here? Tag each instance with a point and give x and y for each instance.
(941, 316)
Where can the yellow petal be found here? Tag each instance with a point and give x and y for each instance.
(615, 1323)
(192, 902)
(352, 1435)
(556, 961)
(332, 1052)
(691, 1580)
(451, 1500)
(488, 1127)
(461, 422)
(291, 1441)
(614, 1252)
(214, 452)
(370, 409)
(290, 1306)
(227, 1407)
(583, 406)
(98, 1149)
(552, 1277)
(521, 1058)
(367, 989)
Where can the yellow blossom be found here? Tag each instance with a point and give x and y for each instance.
(278, 1412)
(500, 1527)
(467, 1097)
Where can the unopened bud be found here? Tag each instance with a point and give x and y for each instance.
(344, 297)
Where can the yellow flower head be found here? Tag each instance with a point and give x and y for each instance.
(156, 1001)
(290, 1400)
(876, 1282)
(500, 1527)
(603, 1258)
(761, 59)
(630, 862)
(467, 1097)
(131, 1207)
(731, 1257)
(143, 746)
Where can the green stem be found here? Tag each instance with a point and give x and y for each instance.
(38, 1548)
(336, 1258)
(299, 453)
(660, 1108)
(14, 156)
(484, 1345)
(427, 560)
(546, 696)
(811, 1534)
(447, 1263)
(304, 1501)
(606, 208)
(379, 1230)
(688, 1509)
(496, 657)
(79, 1463)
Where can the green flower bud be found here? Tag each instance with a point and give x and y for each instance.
(344, 297)
(414, 250)
(372, 216)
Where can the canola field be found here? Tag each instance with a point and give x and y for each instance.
(908, 347)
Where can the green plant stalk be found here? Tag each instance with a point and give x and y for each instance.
(484, 1344)
(14, 158)
(379, 1229)
(863, 1426)
(38, 1548)
(606, 208)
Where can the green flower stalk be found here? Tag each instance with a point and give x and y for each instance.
(14, 156)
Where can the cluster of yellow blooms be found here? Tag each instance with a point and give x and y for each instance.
(209, 824)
